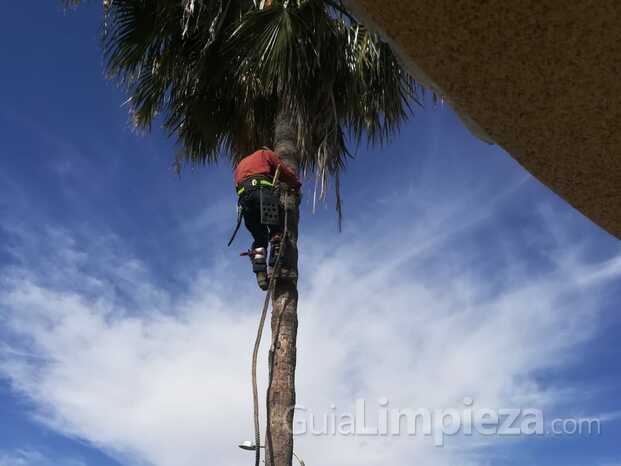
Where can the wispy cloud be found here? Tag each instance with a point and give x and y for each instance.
(610, 416)
(409, 313)
(34, 458)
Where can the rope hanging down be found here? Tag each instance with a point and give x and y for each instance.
(257, 342)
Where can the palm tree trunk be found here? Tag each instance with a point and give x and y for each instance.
(282, 360)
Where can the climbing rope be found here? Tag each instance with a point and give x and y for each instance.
(257, 342)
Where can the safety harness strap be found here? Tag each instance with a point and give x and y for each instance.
(252, 183)
(240, 212)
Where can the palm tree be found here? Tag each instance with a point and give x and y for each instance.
(228, 76)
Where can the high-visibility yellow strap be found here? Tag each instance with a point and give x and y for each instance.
(241, 190)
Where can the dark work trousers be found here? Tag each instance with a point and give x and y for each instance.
(250, 202)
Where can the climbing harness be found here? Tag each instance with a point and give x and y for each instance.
(254, 182)
(268, 200)
(257, 342)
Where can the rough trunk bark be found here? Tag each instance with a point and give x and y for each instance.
(282, 359)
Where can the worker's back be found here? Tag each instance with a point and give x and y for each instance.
(256, 164)
(264, 162)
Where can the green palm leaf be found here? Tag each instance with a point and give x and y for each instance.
(220, 71)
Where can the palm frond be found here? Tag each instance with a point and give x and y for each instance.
(221, 71)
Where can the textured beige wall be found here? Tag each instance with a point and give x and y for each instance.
(541, 78)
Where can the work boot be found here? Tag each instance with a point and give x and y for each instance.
(262, 280)
(259, 267)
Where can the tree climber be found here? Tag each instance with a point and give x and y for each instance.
(259, 205)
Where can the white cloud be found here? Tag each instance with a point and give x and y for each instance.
(20, 458)
(34, 458)
(410, 314)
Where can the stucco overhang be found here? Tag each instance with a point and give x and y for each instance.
(540, 78)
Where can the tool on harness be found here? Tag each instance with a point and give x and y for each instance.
(270, 202)
(270, 206)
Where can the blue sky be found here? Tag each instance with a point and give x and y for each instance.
(126, 324)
